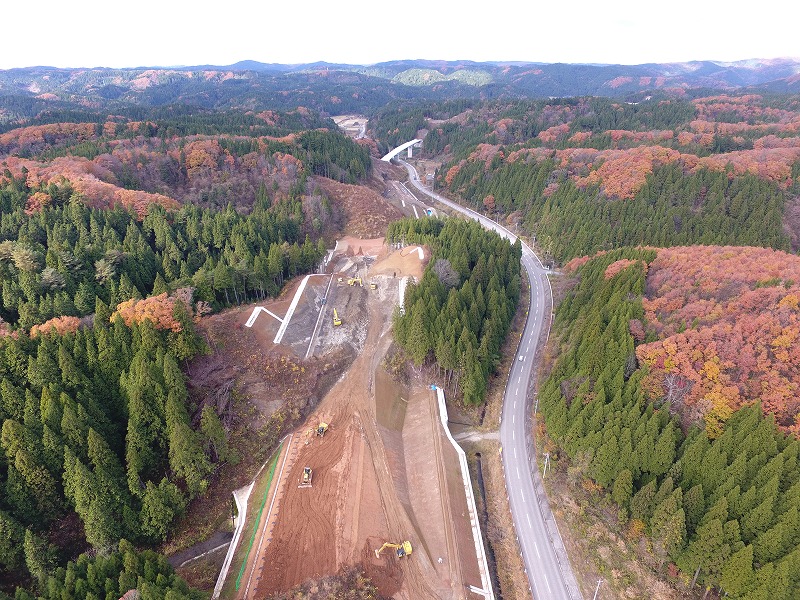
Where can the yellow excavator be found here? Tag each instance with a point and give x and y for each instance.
(402, 549)
(336, 320)
(321, 429)
(355, 280)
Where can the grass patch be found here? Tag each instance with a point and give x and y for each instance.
(272, 465)
(260, 491)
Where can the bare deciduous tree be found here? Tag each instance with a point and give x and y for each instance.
(445, 272)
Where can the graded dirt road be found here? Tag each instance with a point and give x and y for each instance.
(383, 471)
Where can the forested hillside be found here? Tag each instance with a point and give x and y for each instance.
(722, 331)
(26, 92)
(458, 315)
(588, 174)
(116, 235)
(58, 261)
(97, 438)
(718, 497)
(121, 209)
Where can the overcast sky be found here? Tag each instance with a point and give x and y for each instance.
(89, 33)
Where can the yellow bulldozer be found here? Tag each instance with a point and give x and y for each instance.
(373, 285)
(336, 320)
(402, 549)
(322, 428)
(305, 478)
(355, 280)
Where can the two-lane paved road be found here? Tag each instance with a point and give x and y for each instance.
(546, 562)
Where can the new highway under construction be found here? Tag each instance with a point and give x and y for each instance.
(384, 471)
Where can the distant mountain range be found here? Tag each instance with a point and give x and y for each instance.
(338, 88)
(550, 79)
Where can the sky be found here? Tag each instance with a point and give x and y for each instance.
(90, 33)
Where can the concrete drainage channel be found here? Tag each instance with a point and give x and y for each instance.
(483, 565)
(485, 518)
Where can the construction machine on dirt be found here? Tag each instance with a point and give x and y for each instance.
(402, 549)
(305, 479)
(355, 280)
(336, 320)
(322, 428)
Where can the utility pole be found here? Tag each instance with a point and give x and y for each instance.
(546, 462)
(597, 589)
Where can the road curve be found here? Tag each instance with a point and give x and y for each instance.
(546, 563)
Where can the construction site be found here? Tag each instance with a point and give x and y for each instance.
(370, 480)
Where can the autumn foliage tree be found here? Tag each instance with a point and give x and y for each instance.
(159, 310)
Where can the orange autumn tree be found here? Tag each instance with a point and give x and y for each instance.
(160, 310)
(36, 202)
(623, 172)
(621, 264)
(59, 325)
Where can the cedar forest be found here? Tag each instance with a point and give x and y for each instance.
(673, 221)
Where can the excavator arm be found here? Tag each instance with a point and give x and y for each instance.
(402, 549)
